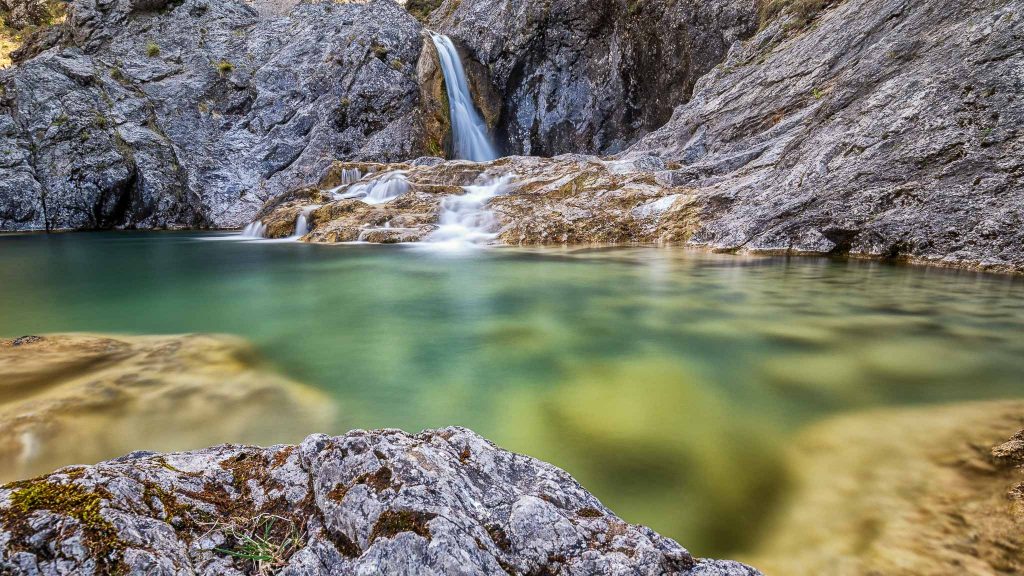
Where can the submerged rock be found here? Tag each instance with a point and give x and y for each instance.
(903, 492)
(385, 502)
(78, 398)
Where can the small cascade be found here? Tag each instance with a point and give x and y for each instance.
(379, 190)
(350, 176)
(470, 139)
(302, 221)
(465, 221)
(255, 230)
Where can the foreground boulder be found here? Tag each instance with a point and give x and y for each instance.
(442, 502)
(72, 398)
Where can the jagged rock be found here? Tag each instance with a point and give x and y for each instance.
(591, 77)
(194, 113)
(79, 398)
(883, 128)
(441, 502)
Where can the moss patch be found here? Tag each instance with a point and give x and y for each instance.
(392, 522)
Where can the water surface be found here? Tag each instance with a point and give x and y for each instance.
(666, 381)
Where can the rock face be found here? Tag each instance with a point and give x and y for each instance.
(157, 114)
(81, 398)
(442, 502)
(592, 77)
(887, 128)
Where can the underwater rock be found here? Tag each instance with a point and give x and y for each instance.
(80, 398)
(383, 502)
(903, 492)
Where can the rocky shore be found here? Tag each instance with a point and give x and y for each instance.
(383, 502)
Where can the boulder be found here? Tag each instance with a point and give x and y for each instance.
(383, 502)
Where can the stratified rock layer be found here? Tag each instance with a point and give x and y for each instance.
(441, 502)
(885, 128)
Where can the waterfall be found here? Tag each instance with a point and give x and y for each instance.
(377, 191)
(464, 220)
(302, 222)
(469, 132)
(255, 230)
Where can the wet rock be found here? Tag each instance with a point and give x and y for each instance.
(194, 113)
(591, 77)
(383, 502)
(859, 127)
(567, 199)
(81, 398)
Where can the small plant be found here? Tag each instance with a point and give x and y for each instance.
(61, 120)
(152, 50)
(817, 93)
(267, 541)
(397, 64)
(224, 67)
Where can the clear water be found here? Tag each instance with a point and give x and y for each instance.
(666, 381)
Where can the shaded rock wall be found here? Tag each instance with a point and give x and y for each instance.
(592, 77)
(442, 502)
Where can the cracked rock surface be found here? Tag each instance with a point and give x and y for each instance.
(154, 114)
(385, 502)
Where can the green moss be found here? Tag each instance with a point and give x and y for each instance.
(224, 67)
(152, 50)
(397, 64)
(66, 499)
(392, 522)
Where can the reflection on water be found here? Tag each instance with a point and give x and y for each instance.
(667, 381)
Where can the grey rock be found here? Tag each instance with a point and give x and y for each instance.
(592, 77)
(881, 128)
(154, 114)
(385, 502)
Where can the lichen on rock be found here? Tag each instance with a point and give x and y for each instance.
(449, 501)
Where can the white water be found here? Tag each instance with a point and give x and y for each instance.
(302, 221)
(465, 221)
(470, 139)
(255, 230)
(379, 190)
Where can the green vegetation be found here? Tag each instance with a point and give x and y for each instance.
(397, 64)
(224, 67)
(803, 11)
(267, 542)
(152, 50)
(421, 9)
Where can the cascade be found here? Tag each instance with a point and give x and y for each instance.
(464, 220)
(379, 190)
(255, 230)
(470, 139)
